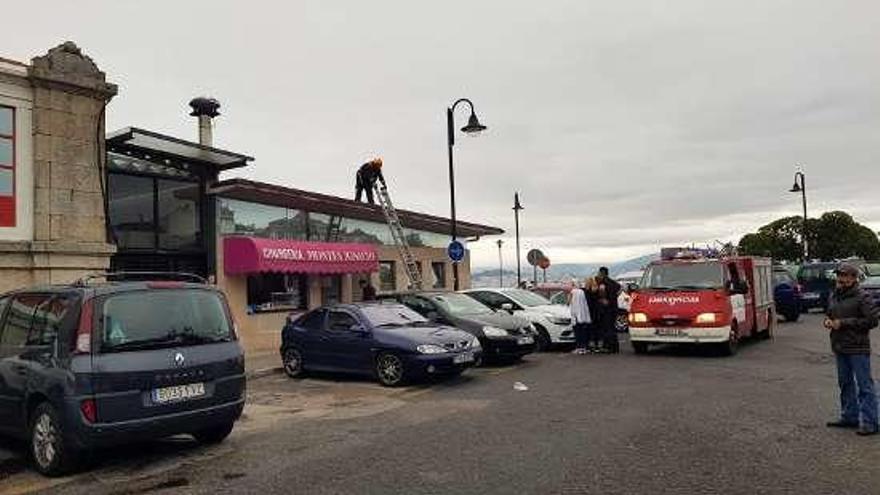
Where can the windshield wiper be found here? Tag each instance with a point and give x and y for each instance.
(660, 288)
(692, 287)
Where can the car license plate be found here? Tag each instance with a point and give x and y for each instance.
(525, 340)
(671, 332)
(811, 295)
(465, 357)
(178, 393)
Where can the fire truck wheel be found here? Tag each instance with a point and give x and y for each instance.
(640, 347)
(730, 347)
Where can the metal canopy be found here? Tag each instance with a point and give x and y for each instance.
(149, 141)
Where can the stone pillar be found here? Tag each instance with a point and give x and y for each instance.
(70, 234)
(347, 288)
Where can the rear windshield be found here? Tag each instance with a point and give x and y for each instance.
(780, 277)
(813, 272)
(460, 304)
(684, 276)
(163, 318)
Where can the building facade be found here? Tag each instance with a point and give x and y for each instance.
(52, 208)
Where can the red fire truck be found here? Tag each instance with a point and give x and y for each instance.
(698, 299)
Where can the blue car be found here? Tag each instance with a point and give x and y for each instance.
(388, 341)
(786, 294)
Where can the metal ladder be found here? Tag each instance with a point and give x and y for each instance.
(409, 261)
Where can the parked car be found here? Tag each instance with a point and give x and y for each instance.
(501, 335)
(386, 340)
(817, 283)
(86, 366)
(786, 294)
(871, 285)
(552, 322)
(872, 268)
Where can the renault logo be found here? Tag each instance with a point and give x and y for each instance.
(179, 359)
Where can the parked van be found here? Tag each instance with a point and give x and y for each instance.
(89, 365)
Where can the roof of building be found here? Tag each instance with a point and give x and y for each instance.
(150, 142)
(271, 194)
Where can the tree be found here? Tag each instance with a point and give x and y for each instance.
(834, 235)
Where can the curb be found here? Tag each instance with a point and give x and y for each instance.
(263, 372)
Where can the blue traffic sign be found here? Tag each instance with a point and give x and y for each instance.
(455, 251)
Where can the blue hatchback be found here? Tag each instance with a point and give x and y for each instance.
(786, 294)
(386, 340)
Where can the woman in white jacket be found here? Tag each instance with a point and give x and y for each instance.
(580, 315)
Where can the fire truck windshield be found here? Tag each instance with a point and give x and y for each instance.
(684, 276)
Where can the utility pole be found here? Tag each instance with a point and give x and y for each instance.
(500, 265)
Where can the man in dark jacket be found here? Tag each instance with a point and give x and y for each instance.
(607, 292)
(366, 177)
(851, 315)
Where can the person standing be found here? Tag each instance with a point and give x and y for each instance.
(366, 177)
(580, 315)
(368, 292)
(594, 329)
(850, 317)
(608, 291)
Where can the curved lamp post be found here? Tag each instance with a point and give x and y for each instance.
(800, 186)
(473, 128)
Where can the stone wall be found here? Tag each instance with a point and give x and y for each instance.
(69, 228)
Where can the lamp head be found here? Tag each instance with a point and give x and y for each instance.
(796, 188)
(473, 127)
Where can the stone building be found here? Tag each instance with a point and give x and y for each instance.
(52, 201)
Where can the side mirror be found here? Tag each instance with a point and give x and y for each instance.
(358, 328)
(507, 307)
(632, 287)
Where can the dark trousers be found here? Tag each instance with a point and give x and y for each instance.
(857, 399)
(361, 186)
(581, 335)
(608, 329)
(593, 333)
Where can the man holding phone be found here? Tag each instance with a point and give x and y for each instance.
(850, 317)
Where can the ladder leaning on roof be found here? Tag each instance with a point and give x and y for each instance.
(413, 273)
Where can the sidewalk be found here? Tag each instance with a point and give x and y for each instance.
(262, 364)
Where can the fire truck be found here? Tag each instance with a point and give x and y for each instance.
(698, 297)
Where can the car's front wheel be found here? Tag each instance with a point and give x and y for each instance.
(543, 342)
(390, 369)
(51, 455)
(214, 435)
(292, 362)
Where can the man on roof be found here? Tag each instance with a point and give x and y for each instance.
(366, 177)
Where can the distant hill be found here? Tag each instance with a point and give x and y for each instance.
(487, 277)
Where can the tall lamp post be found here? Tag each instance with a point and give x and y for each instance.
(473, 128)
(516, 207)
(800, 186)
(500, 265)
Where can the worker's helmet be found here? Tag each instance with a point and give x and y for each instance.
(377, 162)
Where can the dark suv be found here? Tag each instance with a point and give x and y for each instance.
(84, 366)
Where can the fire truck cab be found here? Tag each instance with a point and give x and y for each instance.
(698, 299)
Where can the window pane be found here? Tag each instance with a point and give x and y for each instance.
(48, 319)
(276, 291)
(439, 270)
(6, 152)
(179, 215)
(6, 120)
(331, 289)
(387, 278)
(340, 321)
(131, 211)
(313, 320)
(18, 319)
(6, 182)
(253, 219)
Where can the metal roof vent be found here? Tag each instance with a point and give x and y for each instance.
(205, 109)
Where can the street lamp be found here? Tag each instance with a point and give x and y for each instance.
(500, 265)
(801, 187)
(516, 207)
(473, 128)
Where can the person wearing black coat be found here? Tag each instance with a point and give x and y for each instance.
(608, 291)
(366, 177)
(850, 317)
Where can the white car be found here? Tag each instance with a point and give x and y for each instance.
(552, 321)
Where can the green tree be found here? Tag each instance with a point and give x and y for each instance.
(834, 235)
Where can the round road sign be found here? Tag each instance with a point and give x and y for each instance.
(455, 251)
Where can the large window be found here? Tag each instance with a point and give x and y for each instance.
(152, 213)
(276, 292)
(438, 268)
(258, 220)
(7, 167)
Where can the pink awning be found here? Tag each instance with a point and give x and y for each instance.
(243, 255)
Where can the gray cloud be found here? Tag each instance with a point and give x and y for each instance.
(625, 125)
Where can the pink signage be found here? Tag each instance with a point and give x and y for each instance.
(243, 255)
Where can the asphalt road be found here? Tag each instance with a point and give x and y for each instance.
(676, 421)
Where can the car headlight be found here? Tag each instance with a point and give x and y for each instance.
(431, 349)
(557, 320)
(638, 318)
(706, 318)
(476, 344)
(494, 332)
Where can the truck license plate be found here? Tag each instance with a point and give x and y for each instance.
(671, 332)
(178, 393)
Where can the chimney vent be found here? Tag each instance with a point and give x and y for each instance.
(205, 109)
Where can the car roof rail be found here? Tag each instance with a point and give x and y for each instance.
(140, 276)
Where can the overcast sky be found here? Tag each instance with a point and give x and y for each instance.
(625, 125)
